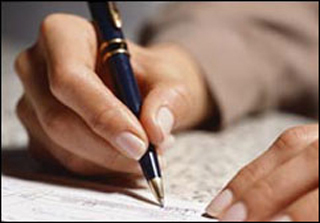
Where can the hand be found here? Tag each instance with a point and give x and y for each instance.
(72, 115)
(281, 185)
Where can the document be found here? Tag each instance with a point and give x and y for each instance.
(200, 164)
(35, 201)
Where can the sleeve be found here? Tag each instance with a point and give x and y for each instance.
(255, 56)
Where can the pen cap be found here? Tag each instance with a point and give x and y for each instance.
(102, 14)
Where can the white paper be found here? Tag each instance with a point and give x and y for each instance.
(35, 201)
(200, 164)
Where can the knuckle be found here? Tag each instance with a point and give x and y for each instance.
(289, 134)
(20, 65)
(50, 21)
(21, 109)
(247, 174)
(244, 177)
(61, 21)
(292, 132)
(54, 121)
(295, 133)
(26, 114)
(288, 138)
(292, 137)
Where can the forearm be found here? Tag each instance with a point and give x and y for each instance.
(255, 56)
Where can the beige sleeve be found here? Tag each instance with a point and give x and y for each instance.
(255, 56)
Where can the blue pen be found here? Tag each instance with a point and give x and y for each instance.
(115, 53)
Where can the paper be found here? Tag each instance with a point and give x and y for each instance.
(33, 201)
(199, 165)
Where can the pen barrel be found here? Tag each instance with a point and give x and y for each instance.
(124, 80)
(125, 83)
(128, 92)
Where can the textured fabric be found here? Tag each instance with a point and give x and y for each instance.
(255, 56)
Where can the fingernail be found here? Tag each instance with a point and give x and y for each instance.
(165, 119)
(131, 145)
(282, 218)
(237, 212)
(166, 144)
(220, 203)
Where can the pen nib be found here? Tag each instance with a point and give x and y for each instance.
(161, 202)
(156, 187)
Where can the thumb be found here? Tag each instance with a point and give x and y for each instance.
(174, 90)
(165, 108)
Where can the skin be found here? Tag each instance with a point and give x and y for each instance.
(69, 108)
(283, 182)
(72, 116)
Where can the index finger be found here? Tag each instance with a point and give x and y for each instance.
(70, 46)
(288, 145)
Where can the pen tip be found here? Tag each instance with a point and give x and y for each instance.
(161, 202)
(156, 187)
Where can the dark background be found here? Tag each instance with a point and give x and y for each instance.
(20, 20)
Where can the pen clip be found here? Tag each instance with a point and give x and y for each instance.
(114, 12)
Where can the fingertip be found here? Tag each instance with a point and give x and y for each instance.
(220, 203)
(150, 125)
(165, 121)
(166, 144)
(131, 145)
(157, 117)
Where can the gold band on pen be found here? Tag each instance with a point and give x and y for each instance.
(106, 44)
(114, 52)
(107, 54)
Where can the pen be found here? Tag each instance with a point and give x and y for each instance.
(114, 52)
